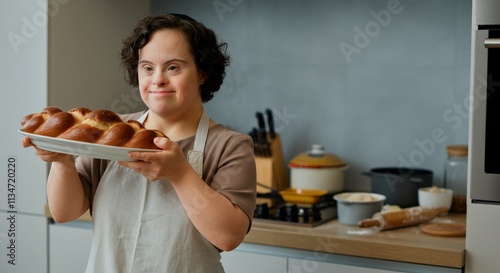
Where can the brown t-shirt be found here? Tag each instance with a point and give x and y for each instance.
(228, 166)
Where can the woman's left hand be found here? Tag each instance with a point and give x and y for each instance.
(169, 164)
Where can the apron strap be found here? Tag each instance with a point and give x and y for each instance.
(143, 117)
(195, 156)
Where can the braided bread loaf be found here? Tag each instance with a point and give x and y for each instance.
(99, 126)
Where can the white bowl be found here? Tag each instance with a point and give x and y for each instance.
(435, 197)
(355, 206)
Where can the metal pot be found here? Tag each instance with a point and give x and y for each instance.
(399, 185)
(316, 169)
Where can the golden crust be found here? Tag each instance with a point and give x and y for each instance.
(82, 124)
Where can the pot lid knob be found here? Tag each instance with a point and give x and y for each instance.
(317, 150)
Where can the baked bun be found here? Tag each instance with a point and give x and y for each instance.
(82, 124)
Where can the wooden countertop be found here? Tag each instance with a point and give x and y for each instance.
(404, 244)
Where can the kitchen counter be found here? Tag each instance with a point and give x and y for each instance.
(407, 244)
(403, 245)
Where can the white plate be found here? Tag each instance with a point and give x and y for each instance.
(82, 148)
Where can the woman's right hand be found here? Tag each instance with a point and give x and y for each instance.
(45, 155)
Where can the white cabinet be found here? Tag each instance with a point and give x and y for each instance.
(23, 243)
(69, 246)
(244, 262)
(23, 51)
(61, 53)
(267, 259)
(311, 266)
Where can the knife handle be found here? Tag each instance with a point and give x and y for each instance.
(270, 123)
(255, 137)
(261, 122)
(262, 135)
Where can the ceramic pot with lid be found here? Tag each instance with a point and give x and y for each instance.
(316, 169)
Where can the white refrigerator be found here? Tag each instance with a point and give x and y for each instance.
(23, 70)
(483, 211)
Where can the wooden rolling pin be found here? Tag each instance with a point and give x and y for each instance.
(401, 218)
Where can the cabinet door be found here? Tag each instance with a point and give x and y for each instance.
(69, 248)
(311, 266)
(245, 262)
(23, 243)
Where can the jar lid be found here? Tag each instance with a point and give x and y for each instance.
(316, 158)
(457, 150)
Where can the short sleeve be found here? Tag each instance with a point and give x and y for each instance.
(230, 167)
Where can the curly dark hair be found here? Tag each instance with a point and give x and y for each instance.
(209, 54)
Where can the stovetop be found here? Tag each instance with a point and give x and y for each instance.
(307, 215)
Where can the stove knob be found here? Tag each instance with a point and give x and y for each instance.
(305, 216)
(292, 213)
(262, 211)
(281, 213)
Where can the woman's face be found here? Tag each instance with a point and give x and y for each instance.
(169, 81)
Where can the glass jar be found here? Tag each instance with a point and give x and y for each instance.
(455, 176)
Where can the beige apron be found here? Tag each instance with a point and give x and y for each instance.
(141, 226)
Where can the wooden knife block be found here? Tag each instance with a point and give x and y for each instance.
(271, 170)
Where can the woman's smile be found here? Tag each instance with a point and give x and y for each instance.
(162, 92)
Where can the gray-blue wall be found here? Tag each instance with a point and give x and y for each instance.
(377, 82)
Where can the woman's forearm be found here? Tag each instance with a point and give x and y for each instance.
(65, 193)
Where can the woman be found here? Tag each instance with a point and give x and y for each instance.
(174, 210)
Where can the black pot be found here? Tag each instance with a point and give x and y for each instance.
(399, 185)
